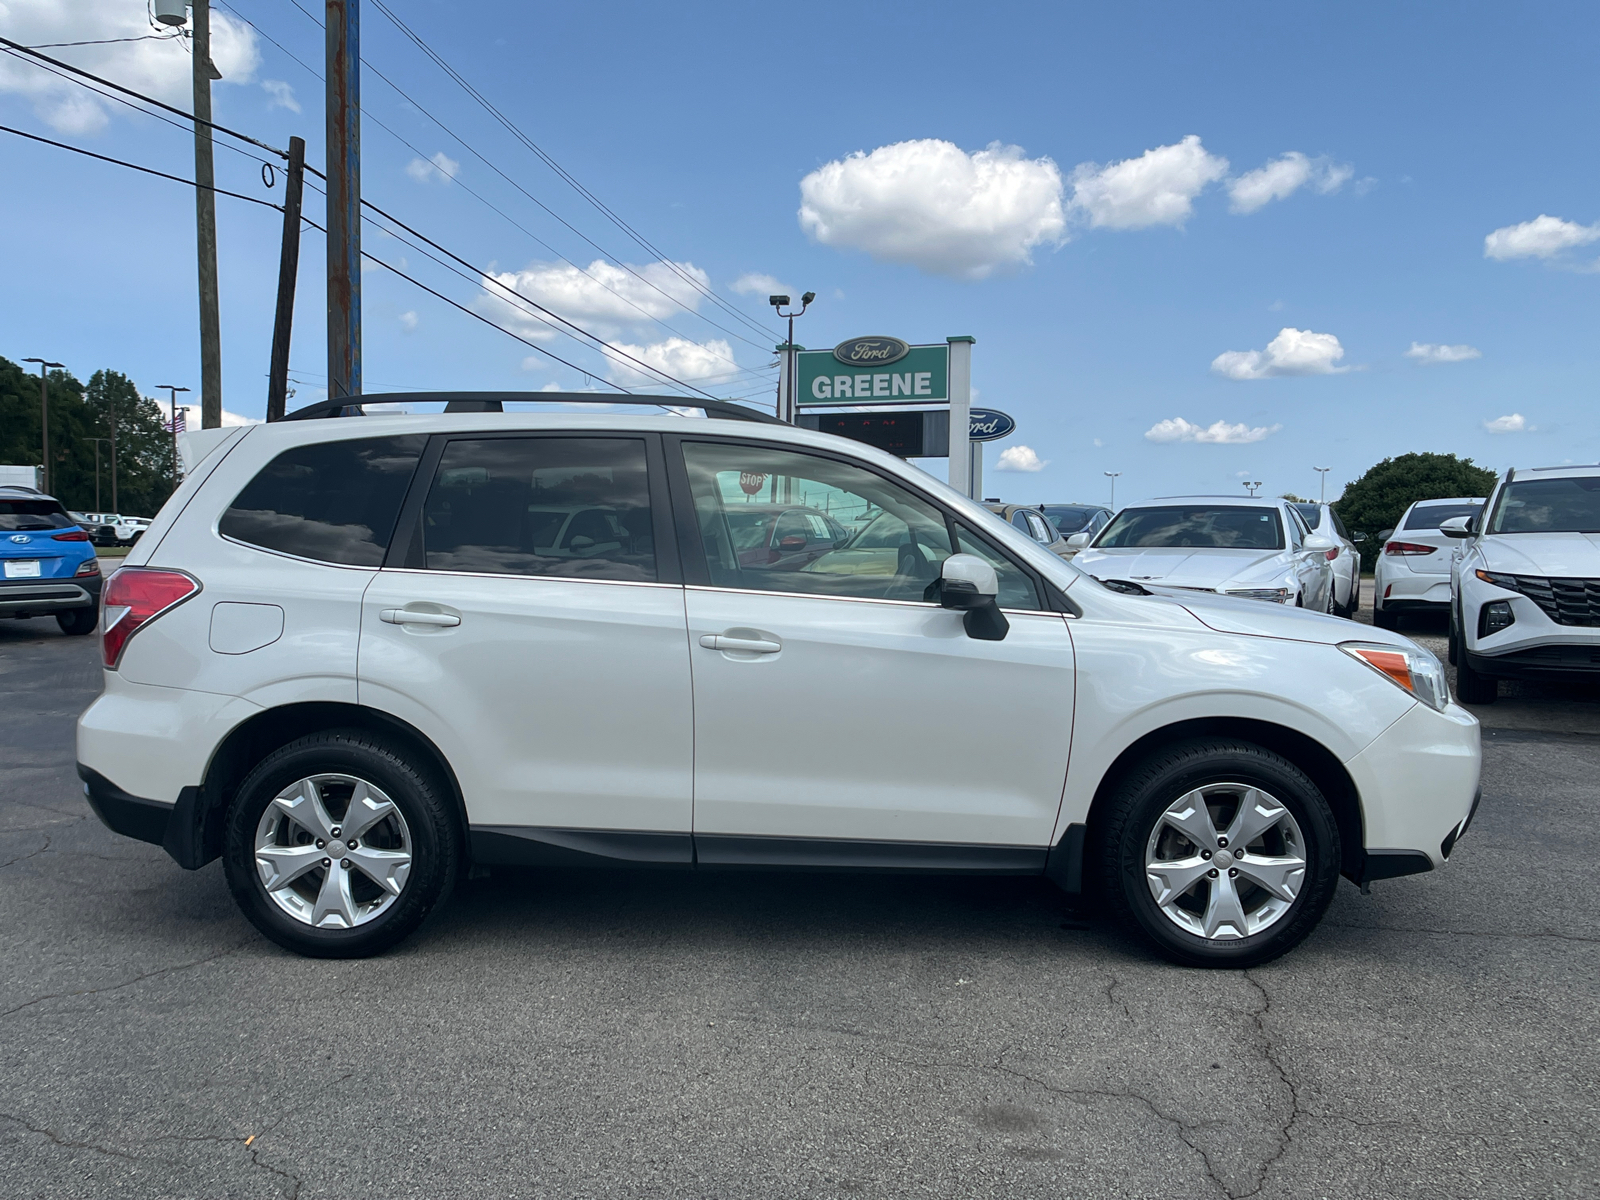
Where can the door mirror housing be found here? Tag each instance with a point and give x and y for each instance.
(1320, 542)
(1383, 534)
(968, 584)
(1456, 527)
(1079, 540)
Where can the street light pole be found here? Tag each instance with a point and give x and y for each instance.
(1112, 475)
(1253, 486)
(790, 397)
(173, 391)
(44, 415)
(97, 442)
(1322, 488)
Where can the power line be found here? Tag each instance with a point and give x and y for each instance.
(565, 175)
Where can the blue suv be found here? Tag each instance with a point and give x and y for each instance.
(47, 563)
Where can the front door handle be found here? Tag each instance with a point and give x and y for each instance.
(721, 641)
(407, 616)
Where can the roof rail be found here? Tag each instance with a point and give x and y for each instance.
(484, 402)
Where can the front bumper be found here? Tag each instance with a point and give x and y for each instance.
(43, 597)
(1419, 787)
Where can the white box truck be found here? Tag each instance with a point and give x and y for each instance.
(21, 477)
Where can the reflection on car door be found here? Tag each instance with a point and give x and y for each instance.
(526, 623)
(839, 712)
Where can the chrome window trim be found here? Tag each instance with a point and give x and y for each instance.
(711, 587)
(648, 583)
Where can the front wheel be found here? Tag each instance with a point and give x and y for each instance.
(1222, 853)
(1472, 687)
(339, 846)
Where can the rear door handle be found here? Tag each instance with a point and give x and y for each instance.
(720, 641)
(406, 616)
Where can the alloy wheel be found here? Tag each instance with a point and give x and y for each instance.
(333, 851)
(1225, 861)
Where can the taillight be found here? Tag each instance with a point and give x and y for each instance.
(1408, 548)
(134, 597)
(89, 566)
(1331, 555)
(71, 535)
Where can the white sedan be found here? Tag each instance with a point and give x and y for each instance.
(1346, 560)
(1251, 547)
(1412, 575)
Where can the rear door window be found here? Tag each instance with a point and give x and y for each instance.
(573, 507)
(335, 502)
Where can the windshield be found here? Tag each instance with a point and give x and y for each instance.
(1428, 516)
(750, 530)
(1548, 506)
(17, 516)
(1202, 526)
(1068, 518)
(1311, 512)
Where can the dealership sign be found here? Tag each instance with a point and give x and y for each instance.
(874, 370)
(989, 425)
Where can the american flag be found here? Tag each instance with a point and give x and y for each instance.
(177, 424)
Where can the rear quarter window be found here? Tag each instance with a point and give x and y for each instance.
(336, 502)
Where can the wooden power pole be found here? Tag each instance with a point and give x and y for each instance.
(343, 104)
(205, 219)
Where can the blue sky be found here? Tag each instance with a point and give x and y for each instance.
(1101, 296)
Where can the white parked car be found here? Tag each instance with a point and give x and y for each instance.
(1412, 573)
(344, 661)
(1247, 546)
(1525, 591)
(1321, 519)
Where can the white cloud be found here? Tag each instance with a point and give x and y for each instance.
(1543, 237)
(408, 321)
(602, 296)
(425, 170)
(1176, 429)
(678, 357)
(1510, 423)
(930, 204)
(282, 95)
(1284, 176)
(1430, 352)
(192, 417)
(1157, 188)
(159, 67)
(1292, 352)
(754, 283)
(1021, 458)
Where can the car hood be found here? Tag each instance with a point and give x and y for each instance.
(1565, 555)
(1176, 566)
(1261, 618)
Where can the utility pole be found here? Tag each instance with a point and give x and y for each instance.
(1322, 489)
(172, 391)
(44, 415)
(114, 507)
(205, 221)
(1112, 475)
(288, 271)
(97, 442)
(343, 105)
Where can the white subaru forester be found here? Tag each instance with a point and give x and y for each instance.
(352, 657)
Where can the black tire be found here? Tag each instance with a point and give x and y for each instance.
(435, 841)
(1120, 834)
(1472, 687)
(1382, 618)
(1453, 641)
(1349, 611)
(78, 621)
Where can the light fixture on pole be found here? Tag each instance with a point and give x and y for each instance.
(44, 416)
(1322, 487)
(789, 402)
(173, 391)
(1252, 485)
(1112, 475)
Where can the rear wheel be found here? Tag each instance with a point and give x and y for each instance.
(1222, 853)
(78, 621)
(338, 846)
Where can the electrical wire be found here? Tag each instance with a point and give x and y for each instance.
(148, 37)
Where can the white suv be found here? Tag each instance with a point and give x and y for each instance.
(1525, 594)
(353, 656)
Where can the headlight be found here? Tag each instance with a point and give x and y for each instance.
(1276, 595)
(1509, 582)
(1412, 668)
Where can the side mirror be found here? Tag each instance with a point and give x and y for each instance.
(1320, 542)
(580, 543)
(1456, 527)
(795, 541)
(1384, 534)
(968, 584)
(1358, 535)
(1079, 540)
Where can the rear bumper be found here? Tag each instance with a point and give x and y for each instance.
(174, 827)
(1409, 591)
(41, 597)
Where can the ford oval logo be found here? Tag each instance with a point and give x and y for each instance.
(989, 424)
(21, 538)
(871, 351)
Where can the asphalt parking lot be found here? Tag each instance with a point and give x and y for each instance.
(638, 1035)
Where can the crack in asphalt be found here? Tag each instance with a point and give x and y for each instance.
(26, 857)
(1111, 998)
(1296, 1109)
(126, 983)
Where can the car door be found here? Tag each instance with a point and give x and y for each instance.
(1311, 567)
(842, 716)
(529, 620)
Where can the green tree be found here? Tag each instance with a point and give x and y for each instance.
(77, 415)
(1376, 501)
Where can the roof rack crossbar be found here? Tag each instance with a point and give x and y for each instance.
(481, 402)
